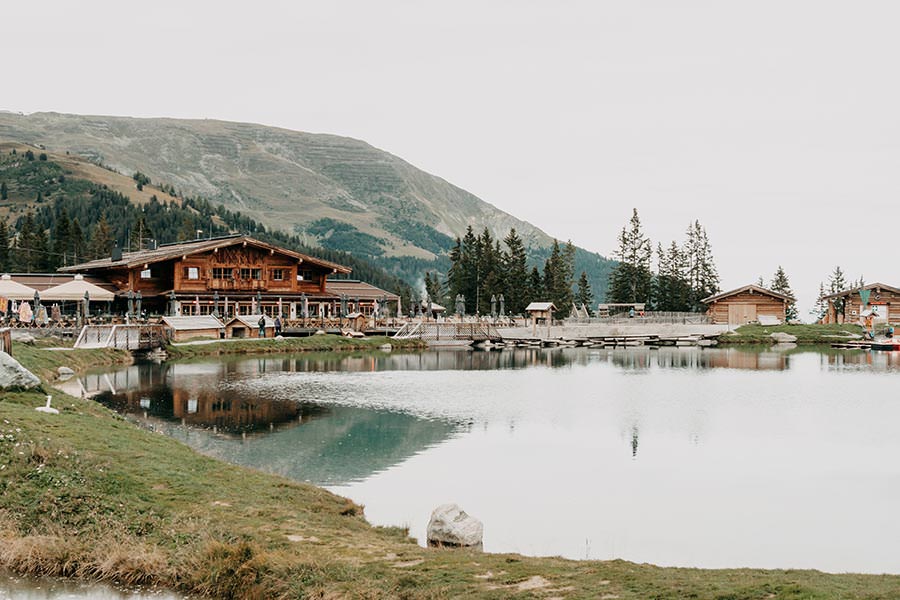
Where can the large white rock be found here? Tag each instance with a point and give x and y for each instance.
(450, 525)
(22, 338)
(781, 337)
(14, 375)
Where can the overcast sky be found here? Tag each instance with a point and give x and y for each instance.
(774, 123)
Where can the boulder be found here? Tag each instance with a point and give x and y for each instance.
(23, 338)
(65, 373)
(781, 337)
(451, 526)
(385, 347)
(319, 332)
(14, 375)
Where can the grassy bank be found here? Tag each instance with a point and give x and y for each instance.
(87, 494)
(317, 343)
(805, 334)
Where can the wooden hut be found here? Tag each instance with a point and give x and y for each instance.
(540, 312)
(748, 304)
(180, 329)
(851, 306)
(247, 326)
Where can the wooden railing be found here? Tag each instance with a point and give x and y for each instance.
(123, 337)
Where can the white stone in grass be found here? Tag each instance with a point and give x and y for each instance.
(451, 526)
(47, 408)
(14, 375)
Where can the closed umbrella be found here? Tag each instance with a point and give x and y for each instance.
(304, 306)
(279, 307)
(215, 304)
(259, 302)
(87, 304)
(428, 312)
(196, 305)
(130, 303)
(493, 306)
(37, 302)
(140, 299)
(502, 306)
(172, 304)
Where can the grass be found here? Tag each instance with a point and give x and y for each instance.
(314, 343)
(87, 494)
(805, 333)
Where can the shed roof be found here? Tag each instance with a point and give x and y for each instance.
(870, 286)
(192, 323)
(540, 306)
(753, 289)
(170, 251)
(251, 321)
(354, 288)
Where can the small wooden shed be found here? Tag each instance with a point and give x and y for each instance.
(746, 305)
(247, 326)
(880, 300)
(540, 312)
(180, 329)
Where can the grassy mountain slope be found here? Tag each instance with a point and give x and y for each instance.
(337, 192)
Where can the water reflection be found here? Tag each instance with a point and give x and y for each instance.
(15, 587)
(861, 360)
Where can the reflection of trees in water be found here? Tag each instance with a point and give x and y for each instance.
(856, 360)
(695, 358)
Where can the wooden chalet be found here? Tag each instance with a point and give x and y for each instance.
(748, 304)
(852, 306)
(233, 275)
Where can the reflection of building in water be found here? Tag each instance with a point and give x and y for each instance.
(874, 360)
(695, 358)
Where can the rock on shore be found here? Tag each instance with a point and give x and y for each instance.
(14, 375)
(451, 526)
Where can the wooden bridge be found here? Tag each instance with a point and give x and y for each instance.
(449, 334)
(123, 337)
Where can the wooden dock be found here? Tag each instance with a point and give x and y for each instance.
(617, 341)
(124, 337)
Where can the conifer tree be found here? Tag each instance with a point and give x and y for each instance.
(535, 287)
(631, 281)
(101, 240)
(515, 265)
(4, 245)
(62, 240)
(701, 269)
(837, 283)
(4, 191)
(781, 285)
(820, 308)
(584, 296)
(77, 245)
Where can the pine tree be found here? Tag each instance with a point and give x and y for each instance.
(820, 308)
(77, 245)
(4, 191)
(4, 245)
(584, 296)
(701, 269)
(781, 285)
(631, 281)
(761, 282)
(837, 283)
(101, 240)
(535, 287)
(515, 265)
(62, 240)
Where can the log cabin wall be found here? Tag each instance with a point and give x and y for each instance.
(722, 312)
(887, 302)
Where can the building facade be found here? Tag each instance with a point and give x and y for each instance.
(748, 304)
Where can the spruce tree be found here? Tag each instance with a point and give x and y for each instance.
(101, 240)
(701, 268)
(584, 297)
(631, 281)
(837, 283)
(820, 308)
(62, 240)
(781, 285)
(77, 245)
(535, 287)
(4, 245)
(4, 191)
(515, 265)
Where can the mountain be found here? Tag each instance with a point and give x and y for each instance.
(336, 192)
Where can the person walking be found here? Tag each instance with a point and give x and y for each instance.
(262, 326)
(277, 325)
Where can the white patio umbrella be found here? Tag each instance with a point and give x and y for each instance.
(74, 290)
(13, 290)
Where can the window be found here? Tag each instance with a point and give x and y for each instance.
(191, 272)
(145, 274)
(221, 273)
(278, 274)
(251, 273)
(307, 275)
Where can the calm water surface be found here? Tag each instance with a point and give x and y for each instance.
(681, 456)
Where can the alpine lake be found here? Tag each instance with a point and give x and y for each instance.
(721, 457)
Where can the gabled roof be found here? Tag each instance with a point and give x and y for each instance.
(251, 321)
(542, 306)
(189, 323)
(170, 251)
(755, 289)
(869, 286)
(354, 288)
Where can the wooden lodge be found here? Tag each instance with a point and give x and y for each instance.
(853, 305)
(748, 304)
(232, 276)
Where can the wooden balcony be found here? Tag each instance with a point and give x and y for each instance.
(236, 285)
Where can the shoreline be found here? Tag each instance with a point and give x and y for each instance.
(94, 497)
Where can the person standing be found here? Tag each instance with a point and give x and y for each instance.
(262, 326)
(277, 325)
